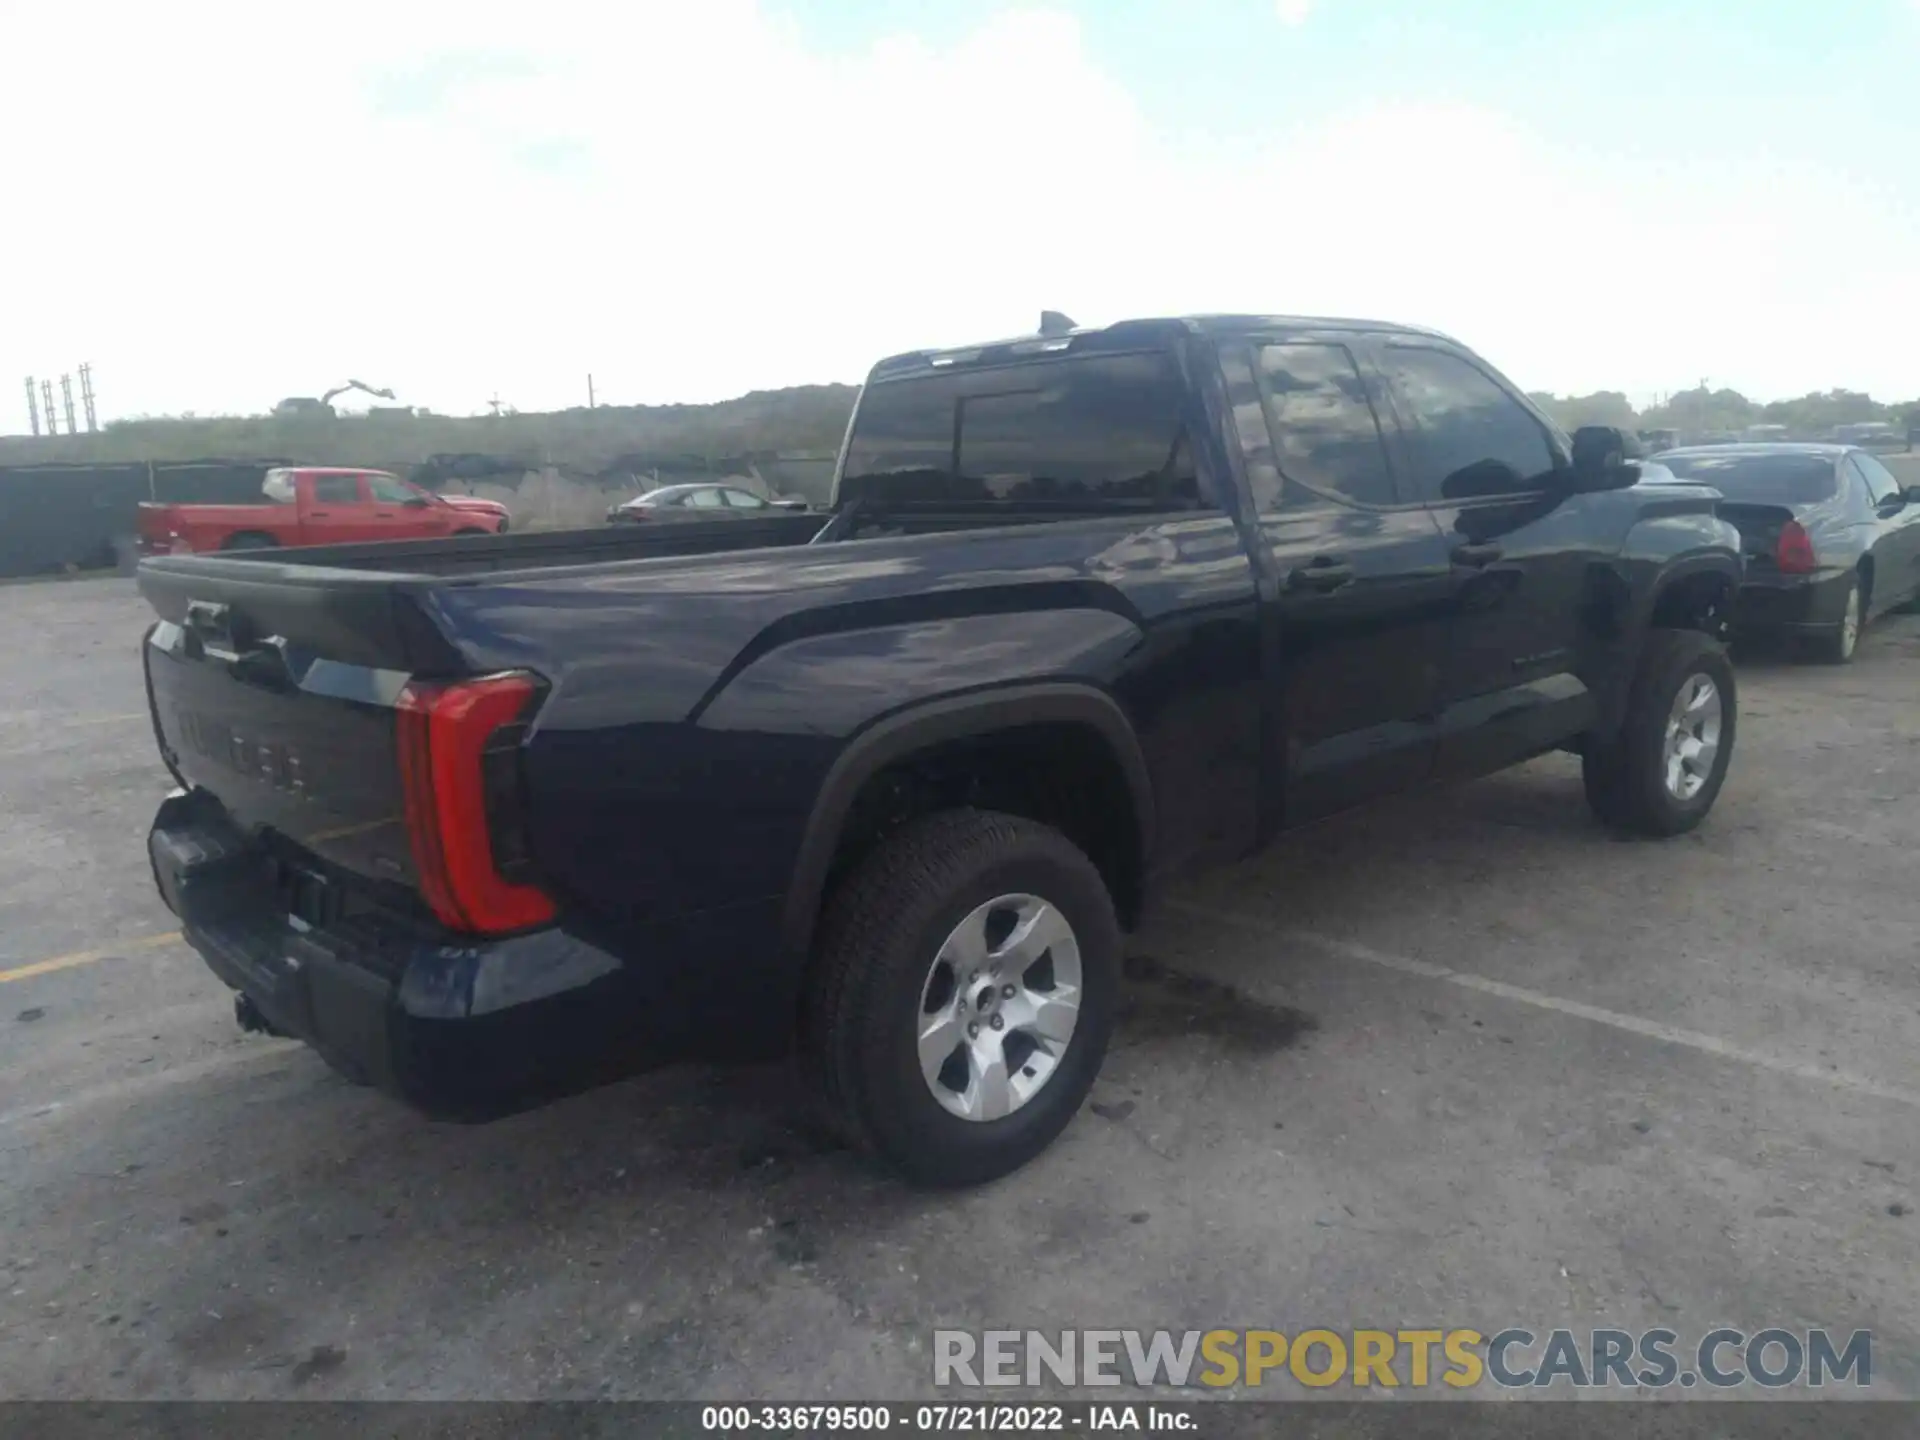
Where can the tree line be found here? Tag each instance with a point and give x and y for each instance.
(1703, 411)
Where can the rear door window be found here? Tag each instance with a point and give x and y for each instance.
(704, 499)
(1880, 483)
(1093, 429)
(336, 489)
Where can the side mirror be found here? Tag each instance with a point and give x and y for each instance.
(1911, 494)
(416, 502)
(1601, 456)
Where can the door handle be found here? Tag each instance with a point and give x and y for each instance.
(1478, 556)
(319, 514)
(1323, 572)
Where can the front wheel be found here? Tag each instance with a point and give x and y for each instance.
(1662, 772)
(963, 995)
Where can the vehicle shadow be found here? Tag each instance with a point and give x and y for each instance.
(1768, 654)
(287, 1233)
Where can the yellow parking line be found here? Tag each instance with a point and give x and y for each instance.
(86, 957)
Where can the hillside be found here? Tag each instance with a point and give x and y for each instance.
(608, 440)
(616, 443)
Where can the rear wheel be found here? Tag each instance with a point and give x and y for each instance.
(1837, 648)
(963, 996)
(251, 540)
(1662, 772)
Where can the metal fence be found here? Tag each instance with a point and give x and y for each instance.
(64, 517)
(56, 518)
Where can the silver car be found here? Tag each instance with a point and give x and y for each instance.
(698, 502)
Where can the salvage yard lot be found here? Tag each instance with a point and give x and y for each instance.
(1461, 1060)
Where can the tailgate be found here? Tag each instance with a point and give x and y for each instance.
(293, 745)
(274, 689)
(154, 525)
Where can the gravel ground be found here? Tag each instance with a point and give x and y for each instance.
(1462, 1060)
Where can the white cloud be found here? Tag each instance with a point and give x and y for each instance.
(1295, 12)
(689, 202)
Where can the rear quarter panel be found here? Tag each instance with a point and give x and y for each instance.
(697, 706)
(1842, 529)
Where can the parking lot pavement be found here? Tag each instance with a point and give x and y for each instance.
(1463, 1060)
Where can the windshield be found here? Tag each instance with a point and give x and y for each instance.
(1078, 431)
(1768, 479)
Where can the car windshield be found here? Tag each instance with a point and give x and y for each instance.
(1764, 479)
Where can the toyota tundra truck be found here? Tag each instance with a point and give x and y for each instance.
(882, 789)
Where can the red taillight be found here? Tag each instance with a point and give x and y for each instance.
(1794, 552)
(445, 732)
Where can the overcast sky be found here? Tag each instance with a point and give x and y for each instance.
(221, 204)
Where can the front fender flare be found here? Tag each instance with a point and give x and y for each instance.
(1721, 564)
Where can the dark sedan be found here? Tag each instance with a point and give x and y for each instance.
(1830, 537)
(699, 502)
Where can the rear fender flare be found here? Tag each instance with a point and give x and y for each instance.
(895, 736)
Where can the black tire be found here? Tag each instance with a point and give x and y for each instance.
(467, 531)
(1626, 775)
(1838, 647)
(251, 540)
(878, 942)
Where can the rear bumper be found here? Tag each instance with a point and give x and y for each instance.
(457, 1027)
(1792, 604)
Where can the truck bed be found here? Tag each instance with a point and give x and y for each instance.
(542, 549)
(361, 604)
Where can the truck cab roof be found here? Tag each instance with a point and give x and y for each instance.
(1134, 333)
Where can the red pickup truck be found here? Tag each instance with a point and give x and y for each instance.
(314, 505)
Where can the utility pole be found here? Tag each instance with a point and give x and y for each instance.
(33, 408)
(86, 396)
(590, 390)
(46, 404)
(66, 396)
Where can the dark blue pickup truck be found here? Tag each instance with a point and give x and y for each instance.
(485, 821)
